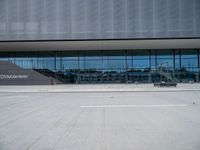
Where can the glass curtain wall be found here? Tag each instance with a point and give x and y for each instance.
(114, 66)
(138, 66)
(132, 66)
(90, 67)
(189, 67)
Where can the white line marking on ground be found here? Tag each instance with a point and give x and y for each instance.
(13, 96)
(115, 96)
(133, 106)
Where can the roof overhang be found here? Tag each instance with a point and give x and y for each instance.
(99, 45)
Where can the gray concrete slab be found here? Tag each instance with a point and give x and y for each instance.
(84, 121)
(98, 88)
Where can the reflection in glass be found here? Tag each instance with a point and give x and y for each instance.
(93, 64)
(111, 66)
(114, 63)
(141, 63)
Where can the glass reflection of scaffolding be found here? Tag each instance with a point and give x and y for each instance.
(165, 74)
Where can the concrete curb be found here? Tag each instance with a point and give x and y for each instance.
(98, 88)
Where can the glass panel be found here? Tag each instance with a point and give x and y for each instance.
(26, 63)
(81, 65)
(114, 55)
(46, 63)
(93, 55)
(129, 63)
(69, 65)
(3, 59)
(140, 58)
(189, 59)
(58, 65)
(58, 61)
(93, 64)
(167, 63)
(188, 54)
(141, 62)
(69, 56)
(153, 59)
(198, 55)
(177, 59)
(165, 54)
(189, 63)
(165, 58)
(113, 76)
(113, 64)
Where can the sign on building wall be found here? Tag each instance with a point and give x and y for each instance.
(12, 76)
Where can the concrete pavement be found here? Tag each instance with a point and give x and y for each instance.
(88, 121)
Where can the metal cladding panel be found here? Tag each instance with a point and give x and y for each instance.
(133, 18)
(197, 18)
(98, 19)
(160, 18)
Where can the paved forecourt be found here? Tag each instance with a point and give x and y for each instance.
(100, 121)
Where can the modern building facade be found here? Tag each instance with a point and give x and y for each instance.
(102, 41)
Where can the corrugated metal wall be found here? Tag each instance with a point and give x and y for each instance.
(98, 19)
